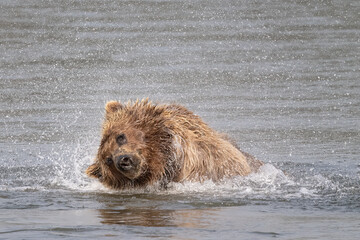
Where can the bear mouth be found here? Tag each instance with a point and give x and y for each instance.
(125, 167)
(128, 165)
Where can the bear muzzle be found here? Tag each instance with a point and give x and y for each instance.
(127, 163)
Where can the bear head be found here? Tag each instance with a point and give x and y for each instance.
(135, 148)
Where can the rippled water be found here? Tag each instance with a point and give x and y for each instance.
(280, 77)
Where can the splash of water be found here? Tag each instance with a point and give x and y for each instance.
(66, 172)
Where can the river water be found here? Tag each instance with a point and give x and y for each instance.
(280, 77)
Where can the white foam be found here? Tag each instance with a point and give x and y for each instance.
(267, 182)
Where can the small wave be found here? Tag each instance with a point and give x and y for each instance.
(268, 177)
(66, 172)
(268, 181)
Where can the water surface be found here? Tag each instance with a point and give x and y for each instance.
(280, 77)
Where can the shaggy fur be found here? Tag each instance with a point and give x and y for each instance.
(163, 143)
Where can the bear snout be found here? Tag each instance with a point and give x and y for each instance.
(125, 162)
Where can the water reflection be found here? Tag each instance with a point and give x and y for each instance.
(147, 217)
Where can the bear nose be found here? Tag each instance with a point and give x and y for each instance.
(124, 162)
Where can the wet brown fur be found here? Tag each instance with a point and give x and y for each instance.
(171, 143)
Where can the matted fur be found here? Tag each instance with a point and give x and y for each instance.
(169, 142)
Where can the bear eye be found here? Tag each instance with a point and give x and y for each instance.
(121, 139)
(108, 161)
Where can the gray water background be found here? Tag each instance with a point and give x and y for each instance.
(280, 77)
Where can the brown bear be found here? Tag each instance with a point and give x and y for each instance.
(144, 143)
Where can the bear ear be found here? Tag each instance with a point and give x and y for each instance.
(94, 171)
(113, 106)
